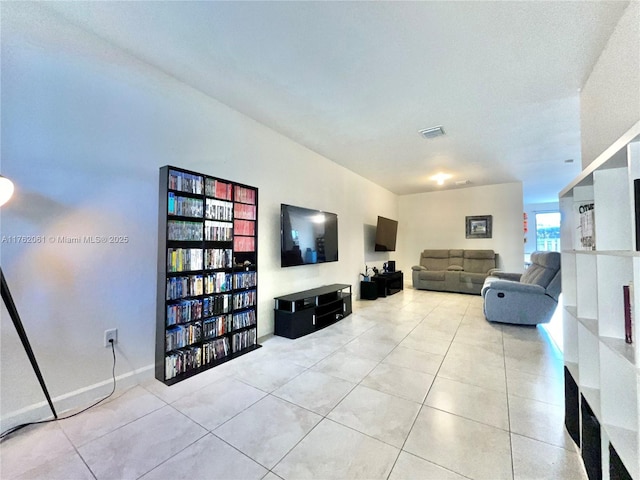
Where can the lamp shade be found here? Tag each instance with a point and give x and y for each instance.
(6, 190)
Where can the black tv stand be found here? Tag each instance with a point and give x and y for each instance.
(388, 283)
(301, 313)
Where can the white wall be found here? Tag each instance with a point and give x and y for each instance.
(610, 97)
(437, 220)
(85, 128)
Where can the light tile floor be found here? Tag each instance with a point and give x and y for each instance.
(413, 386)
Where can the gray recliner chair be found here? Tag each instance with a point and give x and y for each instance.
(526, 299)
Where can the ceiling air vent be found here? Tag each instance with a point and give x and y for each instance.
(432, 132)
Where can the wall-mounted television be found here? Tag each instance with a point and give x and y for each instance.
(307, 236)
(386, 233)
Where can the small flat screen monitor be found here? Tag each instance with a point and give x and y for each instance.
(386, 233)
(307, 236)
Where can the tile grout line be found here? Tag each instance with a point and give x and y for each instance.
(348, 393)
(423, 405)
(75, 448)
(325, 416)
(506, 384)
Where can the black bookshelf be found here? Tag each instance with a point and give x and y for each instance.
(207, 273)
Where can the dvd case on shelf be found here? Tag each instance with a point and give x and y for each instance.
(185, 182)
(218, 189)
(184, 206)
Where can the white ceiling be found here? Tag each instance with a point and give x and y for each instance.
(355, 81)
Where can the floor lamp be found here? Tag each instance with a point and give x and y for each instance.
(6, 190)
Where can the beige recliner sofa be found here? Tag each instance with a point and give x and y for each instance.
(455, 270)
(528, 298)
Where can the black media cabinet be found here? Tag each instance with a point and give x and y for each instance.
(388, 283)
(301, 313)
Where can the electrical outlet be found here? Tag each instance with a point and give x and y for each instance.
(111, 334)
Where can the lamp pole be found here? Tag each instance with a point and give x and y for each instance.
(13, 313)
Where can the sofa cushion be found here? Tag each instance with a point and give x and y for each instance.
(456, 257)
(479, 261)
(435, 259)
(455, 268)
(431, 276)
(480, 254)
(475, 278)
(546, 259)
(543, 268)
(435, 253)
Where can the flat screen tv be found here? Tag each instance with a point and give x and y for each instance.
(307, 236)
(386, 233)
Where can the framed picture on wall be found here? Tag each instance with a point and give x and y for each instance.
(478, 226)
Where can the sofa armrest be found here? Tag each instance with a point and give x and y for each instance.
(506, 275)
(510, 286)
(418, 268)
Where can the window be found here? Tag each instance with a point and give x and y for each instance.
(548, 231)
(548, 239)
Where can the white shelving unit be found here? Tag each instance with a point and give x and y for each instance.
(605, 368)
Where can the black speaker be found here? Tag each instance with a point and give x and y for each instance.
(368, 290)
(391, 266)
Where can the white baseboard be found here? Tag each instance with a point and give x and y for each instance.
(76, 400)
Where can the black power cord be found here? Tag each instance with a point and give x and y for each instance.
(113, 374)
